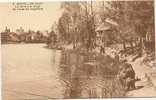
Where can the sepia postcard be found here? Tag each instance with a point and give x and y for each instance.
(77, 49)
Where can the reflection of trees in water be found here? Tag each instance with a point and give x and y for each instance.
(85, 80)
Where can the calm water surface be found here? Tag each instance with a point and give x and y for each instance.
(31, 71)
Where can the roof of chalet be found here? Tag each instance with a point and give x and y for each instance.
(107, 25)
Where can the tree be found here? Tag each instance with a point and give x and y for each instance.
(79, 25)
(63, 26)
(134, 18)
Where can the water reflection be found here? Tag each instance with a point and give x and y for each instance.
(41, 71)
(89, 76)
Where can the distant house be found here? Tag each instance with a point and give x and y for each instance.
(4, 37)
(30, 37)
(104, 31)
(7, 37)
(22, 36)
(34, 37)
(13, 37)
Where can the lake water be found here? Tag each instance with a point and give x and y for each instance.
(31, 71)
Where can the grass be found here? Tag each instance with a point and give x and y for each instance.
(87, 72)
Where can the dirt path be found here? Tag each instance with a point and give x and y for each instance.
(145, 87)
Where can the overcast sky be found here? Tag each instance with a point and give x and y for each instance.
(35, 20)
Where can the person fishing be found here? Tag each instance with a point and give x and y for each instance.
(126, 75)
(130, 77)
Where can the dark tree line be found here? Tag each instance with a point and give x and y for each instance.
(79, 21)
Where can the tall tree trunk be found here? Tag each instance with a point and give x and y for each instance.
(92, 26)
(87, 27)
(141, 46)
(131, 44)
(124, 45)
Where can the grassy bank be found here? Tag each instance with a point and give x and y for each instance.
(89, 75)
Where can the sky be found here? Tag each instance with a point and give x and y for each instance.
(33, 19)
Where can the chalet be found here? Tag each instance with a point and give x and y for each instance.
(104, 31)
